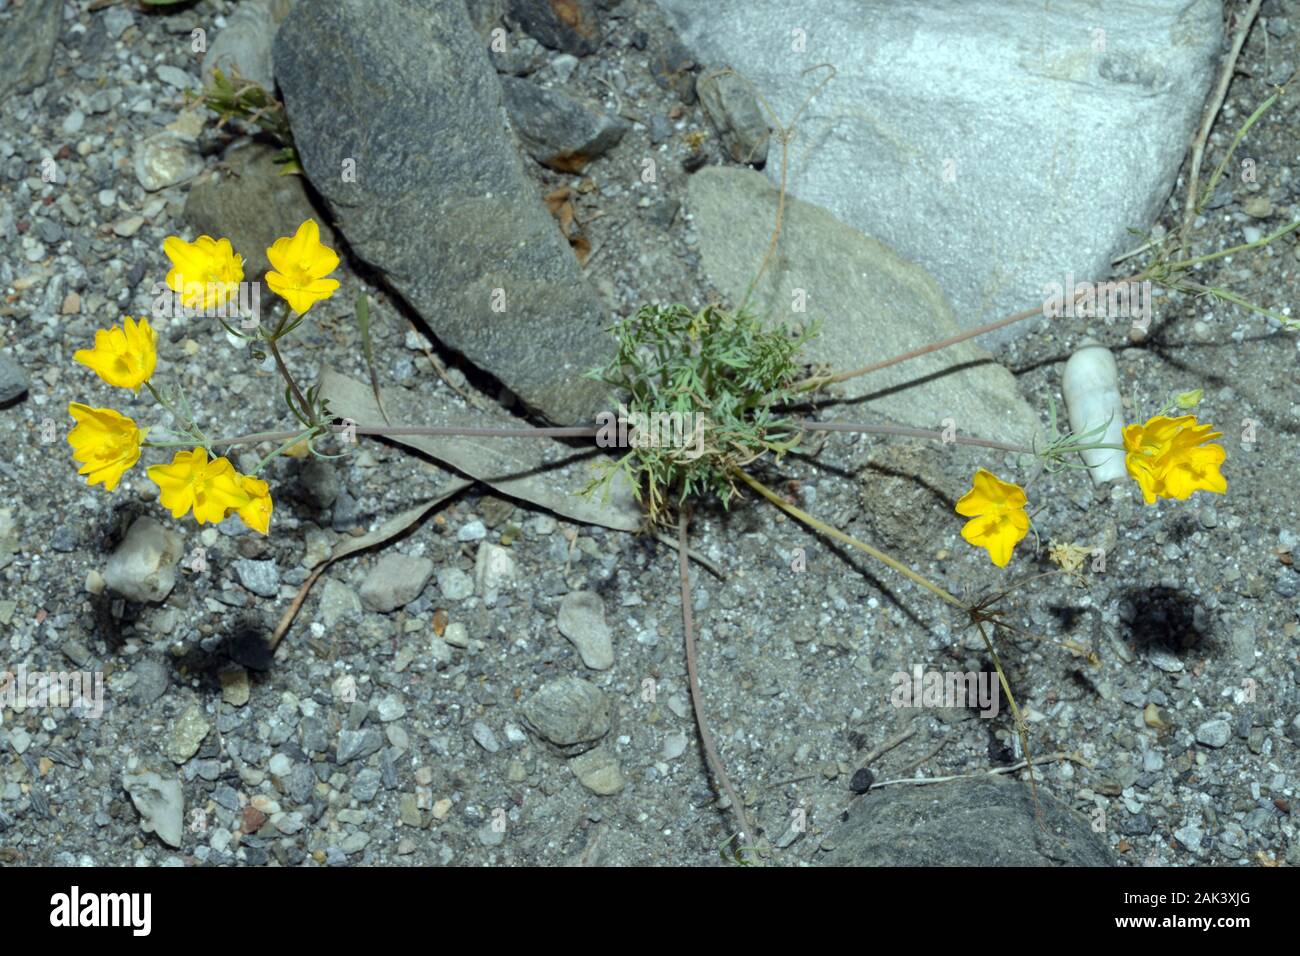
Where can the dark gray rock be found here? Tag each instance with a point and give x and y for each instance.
(673, 67)
(569, 713)
(983, 821)
(320, 482)
(252, 205)
(403, 94)
(559, 130)
(734, 111)
(569, 25)
(312, 736)
(260, 577)
(485, 16)
(151, 680)
(302, 782)
(28, 34)
(13, 380)
(356, 744)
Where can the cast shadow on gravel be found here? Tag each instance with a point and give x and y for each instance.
(244, 643)
(1164, 619)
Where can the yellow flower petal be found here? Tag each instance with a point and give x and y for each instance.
(300, 264)
(105, 443)
(176, 481)
(1170, 458)
(997, 512)
(256, 511)
(205, 272)
(125, 356)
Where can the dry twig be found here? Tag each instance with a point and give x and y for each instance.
(1212, 113)
(692, 672)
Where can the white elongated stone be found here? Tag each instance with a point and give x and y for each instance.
(161, 803)
(1091, 387)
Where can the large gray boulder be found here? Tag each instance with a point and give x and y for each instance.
(396, 113)
(998, 143)
(871, 303)
(981, 821)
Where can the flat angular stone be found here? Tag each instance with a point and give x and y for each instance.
(871, 302)
(981, 822)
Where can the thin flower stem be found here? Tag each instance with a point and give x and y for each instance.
(840, 536)
(188, 443)
(820, 381)
(289, 443)
(1209, 257)
(906, 432)
(1207, 122)
(308, 412)
(581, 431)
(184, 422)
(1021, 732)
(429, 430)
(711, 757)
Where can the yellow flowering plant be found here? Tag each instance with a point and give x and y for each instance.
(301, 266)
(1172, 458)
(998, 517)
(1168, 458)
(124, 356)
(206, 274)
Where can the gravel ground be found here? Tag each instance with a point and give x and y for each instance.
(447, 731)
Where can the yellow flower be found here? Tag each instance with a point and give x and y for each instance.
(206, 272)
(210, 488)
(123, 356)
(1169, 458)
(301, 264)
(106, 444)
(997, 512)
(256, 509)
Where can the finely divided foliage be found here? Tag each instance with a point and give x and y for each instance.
(726, 370)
